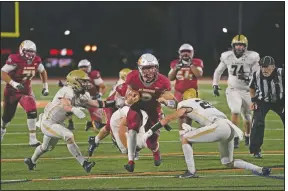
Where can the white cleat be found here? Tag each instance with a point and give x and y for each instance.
(34, 143)
(3, 131)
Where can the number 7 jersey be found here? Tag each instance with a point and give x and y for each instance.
(240, 70)
(202, 111)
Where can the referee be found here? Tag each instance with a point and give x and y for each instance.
(267, 93)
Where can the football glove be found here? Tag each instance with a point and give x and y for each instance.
(215, 90)
(78, 112)
(16, 85)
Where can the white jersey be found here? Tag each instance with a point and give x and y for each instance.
(237, 67)
(55, 112)
(203, 112)
(119, 82)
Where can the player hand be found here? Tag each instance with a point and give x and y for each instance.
(45, 92)
(97, 97)
(162, 100)
(78, 112)
(16, 85)
(179, 65)
(254, 106)
(215, 90)
(60, 84)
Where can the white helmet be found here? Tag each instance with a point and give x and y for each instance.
(27, 49)
(186, 53)
(85, 64)
(148, 67)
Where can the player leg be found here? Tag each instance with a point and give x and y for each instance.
(9, 109)
(29, 105)
(134, 120)
(246, 116)
(96, 119)
(70, 123)
(234, 101)
(226, 148)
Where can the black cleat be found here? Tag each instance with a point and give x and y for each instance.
(92, 145)
(130, 166)
(35, 144)
(88, 125)
(29, 163)
(71, 126)
(236, 142)
(188, 174)
(98, 125)
(88, 165)
(247, 140)
(258, 155)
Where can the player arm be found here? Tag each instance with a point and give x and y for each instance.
(43, 76)
(100, 103)
(102, 88)
(252, 87)
(196, 70)
(6, 78)
(168, 99)
(172, 74)
(218, 72)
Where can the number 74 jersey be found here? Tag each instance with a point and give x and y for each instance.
(202, 112)
(240, 70)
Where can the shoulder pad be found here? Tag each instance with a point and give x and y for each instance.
(37, 59)
(198, 62)
(226, 54)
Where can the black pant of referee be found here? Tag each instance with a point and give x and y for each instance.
(267, 92)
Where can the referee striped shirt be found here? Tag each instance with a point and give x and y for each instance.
(269, 89)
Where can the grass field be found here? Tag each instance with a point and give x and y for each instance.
(59, 170)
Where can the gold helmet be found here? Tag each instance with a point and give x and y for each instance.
(239, 40)
(78, 80)
(123, 73)
(190, 93)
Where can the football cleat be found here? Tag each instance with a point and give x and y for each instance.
(88, 125)
(157, 158)
(265, 172)
(92, 145)
(258, 155)
(130, 166)
(236, 142)
(88, 165)
(247, 138)
(71, 126)
(29, 163)
(34, 143)
(188, 174)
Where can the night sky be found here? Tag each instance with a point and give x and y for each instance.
(127, 29)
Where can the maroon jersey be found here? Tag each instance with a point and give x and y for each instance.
(94, 75)
(184, 77)
(148, 93)
(23, 72)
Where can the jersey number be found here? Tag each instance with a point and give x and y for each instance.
(240, 71)
(145, 96)
(29, 74)
(204, 104)
(184, 75)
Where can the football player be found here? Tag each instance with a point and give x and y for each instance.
(117, 93)
(68, 100)
(150, 85)
(186, 70)
(96, 92)
(18, 73)
(240, 64)
(214, 127)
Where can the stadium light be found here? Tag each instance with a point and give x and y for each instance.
(277, 25)
(67, 32)
(94, 48)
(225, 30)
(63, 52)
(87, 48)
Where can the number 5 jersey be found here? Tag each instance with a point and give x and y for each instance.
(240, 70)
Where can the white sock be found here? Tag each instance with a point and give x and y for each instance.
(188, 153)
(131, 144)
(37, 154)
(74, 150)
(246, 165)
(97, 140)
(247, 135)
(32, 127)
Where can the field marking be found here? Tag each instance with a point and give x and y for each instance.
(141, 176)
(206, 154)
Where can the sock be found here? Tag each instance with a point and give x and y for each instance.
(74, 150)
(131, 144)
(247, 135)
(97, 140)
(37, 154)
(246, 165)
(188, 153)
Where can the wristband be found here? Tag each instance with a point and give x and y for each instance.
(171, 103)
(100, 103)
(109, 103)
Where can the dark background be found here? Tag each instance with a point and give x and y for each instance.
(128, 29)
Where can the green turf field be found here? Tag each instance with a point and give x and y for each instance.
(59, 170)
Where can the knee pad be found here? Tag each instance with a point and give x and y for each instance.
(32, 114)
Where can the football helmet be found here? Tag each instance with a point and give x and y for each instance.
(79, 81)
(27, 49)
(186, 53)
(239, 40)
(123, 73)
(148, 67)
(190, 93)
(85, 64)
